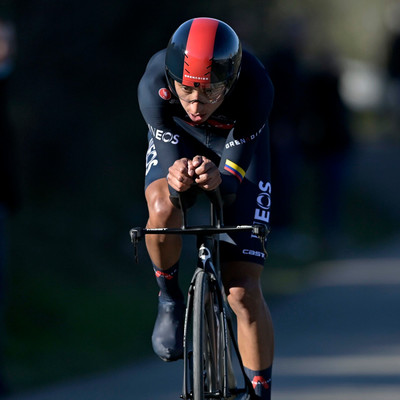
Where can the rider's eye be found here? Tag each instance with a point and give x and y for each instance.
(187, 89)
(214, 92)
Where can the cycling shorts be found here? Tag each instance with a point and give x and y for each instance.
(252, 204)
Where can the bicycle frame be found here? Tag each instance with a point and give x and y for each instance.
(208, 261)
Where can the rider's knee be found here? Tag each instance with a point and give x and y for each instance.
(245, 299)
(161, 210)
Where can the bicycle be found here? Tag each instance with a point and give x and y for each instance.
(209, 337)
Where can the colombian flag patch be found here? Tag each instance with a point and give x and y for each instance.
(234, 169)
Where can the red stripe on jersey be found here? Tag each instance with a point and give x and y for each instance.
(233, 172)
(220, 125)
(199, 52)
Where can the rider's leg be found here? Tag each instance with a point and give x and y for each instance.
(255, 329)
(164, 251)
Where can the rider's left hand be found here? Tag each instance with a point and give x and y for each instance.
(207, 174)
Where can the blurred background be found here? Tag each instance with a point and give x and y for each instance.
(72, 146)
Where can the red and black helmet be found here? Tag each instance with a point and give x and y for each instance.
(203, 52)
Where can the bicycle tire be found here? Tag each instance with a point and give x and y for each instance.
(207, 377)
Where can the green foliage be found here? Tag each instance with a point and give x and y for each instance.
(77, 303)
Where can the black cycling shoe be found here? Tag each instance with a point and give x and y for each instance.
(167, 338)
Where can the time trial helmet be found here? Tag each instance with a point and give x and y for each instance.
(203, 53)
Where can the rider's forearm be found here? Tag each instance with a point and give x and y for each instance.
(229, 185)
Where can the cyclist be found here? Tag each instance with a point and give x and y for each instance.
(206, 102)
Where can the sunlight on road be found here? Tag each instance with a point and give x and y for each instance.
(384, 392)
(353, 365)
(362, 271)
(347, 321)
(346, 377)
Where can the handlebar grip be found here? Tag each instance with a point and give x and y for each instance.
(260, 230)
(136, 234)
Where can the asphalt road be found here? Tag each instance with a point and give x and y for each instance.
(336, 339)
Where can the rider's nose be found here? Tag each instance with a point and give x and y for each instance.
(195, 106)
(195, 97)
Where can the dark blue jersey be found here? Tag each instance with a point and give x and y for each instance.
(235, 138)
(235, 133)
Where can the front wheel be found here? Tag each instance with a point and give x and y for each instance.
(207, 371)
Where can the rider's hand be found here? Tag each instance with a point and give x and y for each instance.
(180, 176)
(206, 173)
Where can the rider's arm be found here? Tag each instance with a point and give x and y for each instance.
(169, 139)
(252, 104)
(236, 159)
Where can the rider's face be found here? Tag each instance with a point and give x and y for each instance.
(196, 102)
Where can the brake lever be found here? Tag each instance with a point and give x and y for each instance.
(261, 231)
(136, 234)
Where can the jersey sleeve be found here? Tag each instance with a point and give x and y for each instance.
(158, 112)
(253, 105)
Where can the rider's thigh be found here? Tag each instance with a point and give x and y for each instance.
(162, 213)
(242, 273)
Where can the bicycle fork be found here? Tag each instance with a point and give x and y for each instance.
(228, 379)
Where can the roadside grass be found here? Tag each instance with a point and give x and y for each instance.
(76, 302)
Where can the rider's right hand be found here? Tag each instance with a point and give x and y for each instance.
(181, 175)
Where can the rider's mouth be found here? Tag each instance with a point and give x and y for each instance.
(197, 117)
